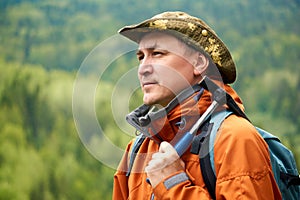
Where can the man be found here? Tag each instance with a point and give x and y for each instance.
(175, 51)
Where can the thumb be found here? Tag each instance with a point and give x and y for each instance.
(170, 152)
(166, 147)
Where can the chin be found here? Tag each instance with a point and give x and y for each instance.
(149, 101)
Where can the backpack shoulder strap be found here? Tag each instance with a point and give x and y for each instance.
(135, 148)
(206, 155)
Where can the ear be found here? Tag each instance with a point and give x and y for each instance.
(201, 64)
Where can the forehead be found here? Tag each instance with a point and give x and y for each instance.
(161, 41)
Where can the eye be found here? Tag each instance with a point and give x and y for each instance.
(157, 53)
(140, 56)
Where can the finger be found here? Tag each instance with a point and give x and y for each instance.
(157, 155)
(154, 165)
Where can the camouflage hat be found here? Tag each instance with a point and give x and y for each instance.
(192, 31)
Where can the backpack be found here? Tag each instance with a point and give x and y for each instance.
(282, 160)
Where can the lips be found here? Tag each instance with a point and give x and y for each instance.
(148, 83)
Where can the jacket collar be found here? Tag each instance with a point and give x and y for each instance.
(170, 122)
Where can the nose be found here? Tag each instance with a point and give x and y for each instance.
(145, 67)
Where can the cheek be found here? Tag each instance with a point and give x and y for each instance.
(158, 95)
(176, 80)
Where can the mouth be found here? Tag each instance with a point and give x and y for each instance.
(148, 83)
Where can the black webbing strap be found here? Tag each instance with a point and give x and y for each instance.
(200, 138)
(234, 107)
(208, 174)
(210, 86)
(290, 178)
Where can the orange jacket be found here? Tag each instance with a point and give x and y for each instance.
(241, 158)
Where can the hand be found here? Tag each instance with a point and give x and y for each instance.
(163, 164)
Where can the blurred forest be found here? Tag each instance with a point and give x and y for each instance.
(43, 44)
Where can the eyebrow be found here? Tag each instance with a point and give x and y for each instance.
(151, 47)
(139, 51)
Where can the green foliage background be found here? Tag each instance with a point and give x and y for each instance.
(43, 43)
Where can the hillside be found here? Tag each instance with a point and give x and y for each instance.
(43, 151)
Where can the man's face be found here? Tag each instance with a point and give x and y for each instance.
(165, 68)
